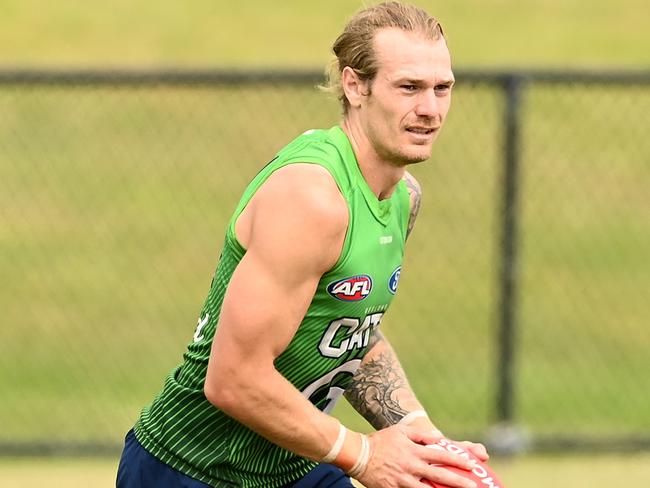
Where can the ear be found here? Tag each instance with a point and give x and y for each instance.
(353, 87)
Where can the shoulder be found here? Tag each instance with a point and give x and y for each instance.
(299, 207)
(313, 142)
(415, 197)
(322, 147)
(306, 188)
(412, 185)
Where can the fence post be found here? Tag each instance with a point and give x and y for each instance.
(505, 437)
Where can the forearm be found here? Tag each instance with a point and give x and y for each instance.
(268, 404)
(380, 391)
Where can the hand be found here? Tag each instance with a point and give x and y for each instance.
(399, 459)
(476, 449)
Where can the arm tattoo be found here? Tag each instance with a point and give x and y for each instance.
(375, 337)
(371, 392)
(415, 196)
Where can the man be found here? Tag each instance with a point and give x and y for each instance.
(310, 263)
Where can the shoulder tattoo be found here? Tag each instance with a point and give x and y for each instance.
(415, 196)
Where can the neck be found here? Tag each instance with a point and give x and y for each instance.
(382, 176)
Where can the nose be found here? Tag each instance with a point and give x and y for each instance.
(427, 104)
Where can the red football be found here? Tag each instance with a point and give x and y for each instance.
(481, 474)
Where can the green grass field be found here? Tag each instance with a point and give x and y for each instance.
(529, 472)
(114, 203)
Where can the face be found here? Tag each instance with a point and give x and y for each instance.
(409, 98)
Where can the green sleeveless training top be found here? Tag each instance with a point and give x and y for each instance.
(184, 430)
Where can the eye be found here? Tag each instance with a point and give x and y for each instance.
(443, 89)
(408, 87)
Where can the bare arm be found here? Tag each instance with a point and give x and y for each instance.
(380, 391)
(293, 230)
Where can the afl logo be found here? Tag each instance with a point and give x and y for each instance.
(393, 280)
(351, 289)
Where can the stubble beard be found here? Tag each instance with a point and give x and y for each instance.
(408, 153)
(401, 154)
(400, 157)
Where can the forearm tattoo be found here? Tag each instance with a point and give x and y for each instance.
(373, 388)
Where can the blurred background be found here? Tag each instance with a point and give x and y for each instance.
(129, 130)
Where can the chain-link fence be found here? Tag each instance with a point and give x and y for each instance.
(525, 294)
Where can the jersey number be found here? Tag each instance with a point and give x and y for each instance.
(326, 390)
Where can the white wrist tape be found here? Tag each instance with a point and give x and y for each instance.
(410, 417)
(336, 448)
(362, 461)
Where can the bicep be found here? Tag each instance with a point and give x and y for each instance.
(291, 242)
(257, 319)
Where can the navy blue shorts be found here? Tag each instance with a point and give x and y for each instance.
(139, 469)
(324, 476)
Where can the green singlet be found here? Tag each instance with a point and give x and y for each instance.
(184, 430)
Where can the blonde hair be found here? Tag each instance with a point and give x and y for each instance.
(354, 47)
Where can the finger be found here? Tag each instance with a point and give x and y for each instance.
(476, 449)
(423, 437)
(433, 455)
(448, 478)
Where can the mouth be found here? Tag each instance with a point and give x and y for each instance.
(422, 132)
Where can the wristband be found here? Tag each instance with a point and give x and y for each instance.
(362, 461)
(338, 445)
(410, 417)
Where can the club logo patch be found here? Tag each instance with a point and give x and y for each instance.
(393, 280)
(351, 289)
